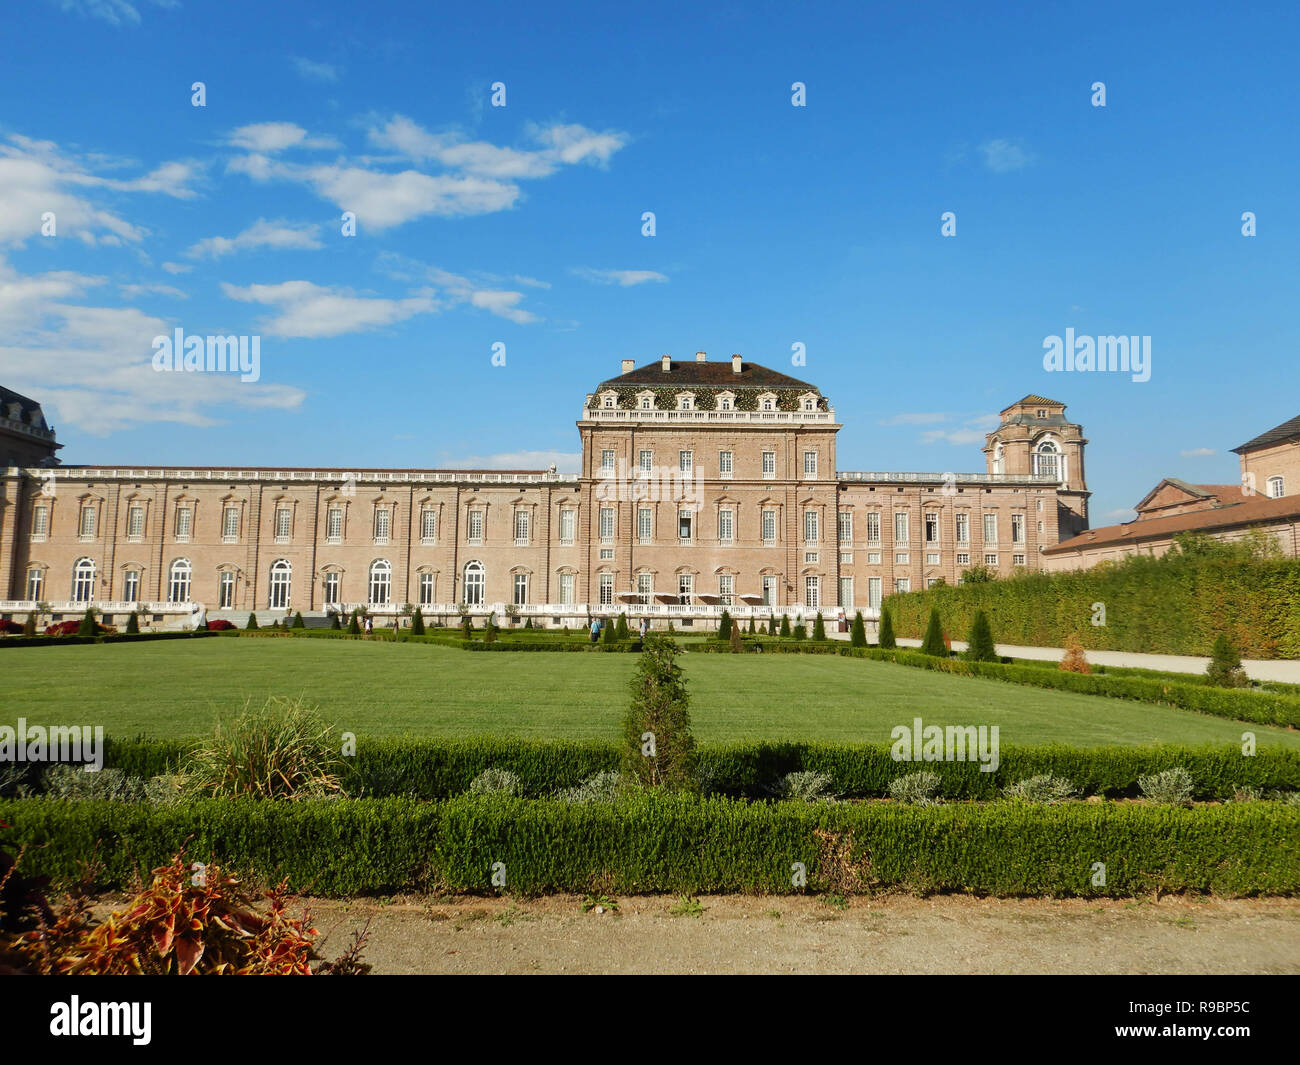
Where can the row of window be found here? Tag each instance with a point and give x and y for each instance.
(767, 401)
(686, 462)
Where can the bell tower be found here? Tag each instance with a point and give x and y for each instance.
(1035, 438)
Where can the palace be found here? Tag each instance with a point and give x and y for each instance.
(703, 486)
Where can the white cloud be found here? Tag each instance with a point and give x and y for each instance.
(305, 309)
(130, 292)
(623, 278)
(47, 341)
(114, 12)
(275, 137)
(177, 268)
(1003, 156)
(1121, 515)
(457, 290)
(261, 234)
(971, 430)
(962, 437)
(1197, 452)
(564, 461)
(310, 70)
(531, 282)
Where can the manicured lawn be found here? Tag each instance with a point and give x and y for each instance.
(177, 689)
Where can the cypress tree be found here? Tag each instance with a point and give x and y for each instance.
(490, 629)
(751, 624)
(335, 624)
(801, 631)
(819, 627)
(621, 631)
(771, 625)
(417, 623)
(1224, 670)
(979, 644)
(661, 708)
(87, 626)
(887, 641)
(466, 627)
(607, 633)
(252, 622)
(298, 623)
(933, 642)
(354, 625)
(858, 634)
(724, 626)
(785, 624)
(737, 644)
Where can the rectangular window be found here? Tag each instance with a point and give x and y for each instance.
(521, 589)
(645, 524)
(381, 525)
(873, 527)
(86, 528)
(425, 589)
(566, 589)
(724, 462)
(607, 460)
(903, 584)
(282, 522)
(811, 556)
(334, 523)
(684, 525)
(568, 522)
(810, 463)
(227, 588)
(812, 592)
(769, 464)
(35, 581)
(769, 526)
(644, 588)
(846, 526)
(900, 527)
(810, 526)
(131, 586)
(647, 461)
(40, 522)
(726, 588)
(932, 528)
(230, 523)
(725, 526)
(1017, 528)
(1017, 560)
(606, 525)
(332, 583)
(769, 591)
(846, 558)
(963, 528)
(932, 558)
(521, 528)
(685, 588)
(873, 593)
(990, 560)
(183, 516)
(686, 461)
(990, 528)
(1040, 526)
(846, 592)
(963, 558)
(475, 526)
(902, 558)
(428, 526)
(873, 558)
(135, 523)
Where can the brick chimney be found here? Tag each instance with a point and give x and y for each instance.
(735, 364)
(667, 363)
(701, 356)
(629, 365)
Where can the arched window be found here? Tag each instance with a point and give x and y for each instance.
(281, 581)
(999, 462)
(1048, 461)
(83, 581)
(381, 582)
(474, 581)
(1276, 488)
(178, 581)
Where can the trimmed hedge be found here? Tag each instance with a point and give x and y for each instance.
(440, 769)
(110, 637)
(1171, 606)
(664, 843)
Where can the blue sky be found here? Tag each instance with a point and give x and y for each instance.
(521, 225)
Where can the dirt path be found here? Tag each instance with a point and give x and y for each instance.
(808, 935)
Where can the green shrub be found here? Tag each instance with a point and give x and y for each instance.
(279, 750)
(354, 624)
(979, 644)
(658, 746)
(1224, 670)
(858, 634)
(724, 625)
(252, 622)
(751, 625)
(417, 623)
(1172, 786)
(466, 627)
(887, 639)
(916, 789)
(807, 786)
(1043, 788)
(132, 624)
(298, 623)
(819, 627)
(606, 633)
(800, 631)
(621, 631)
(737, 644)
(72, 782)
(495, 782)
(599, 787)
(933, 644)
(87, 626)
(335, 624)
(771, 625)
(785, 624)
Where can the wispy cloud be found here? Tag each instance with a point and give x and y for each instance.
(455, 290)
(564, 461)
(967, 429)
(114, 12)
(1197, 452)
(1003, 156)
(310, 70)
(261, 234)
(623, 278)
(305, 309)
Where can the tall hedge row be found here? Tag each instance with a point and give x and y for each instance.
(440, 769)
(648, 844)
(1159, 606)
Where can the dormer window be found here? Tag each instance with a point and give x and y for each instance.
(726, 401)
(1040, 414)
(808, 401)
(645, 402)
(608, 400)
(686, 401)
(767, 401)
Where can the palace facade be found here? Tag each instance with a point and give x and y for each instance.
(703, 485)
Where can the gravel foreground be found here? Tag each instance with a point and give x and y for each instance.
(746, 934)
